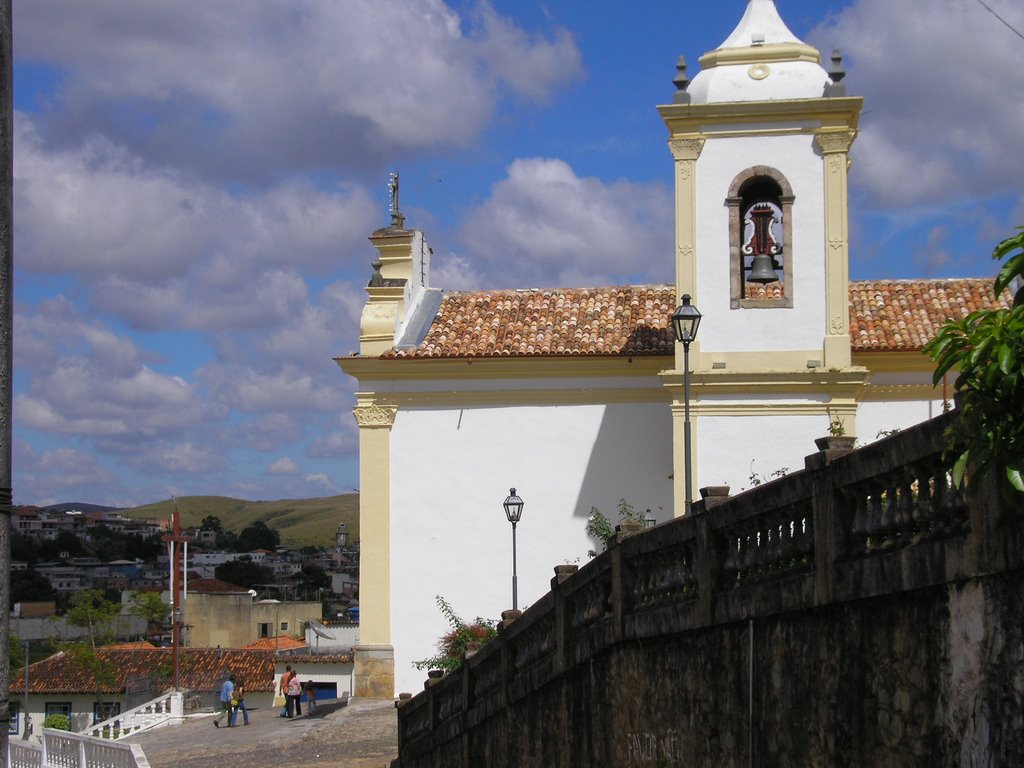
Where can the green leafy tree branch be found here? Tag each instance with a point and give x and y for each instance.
(986, 348)
(93, 612)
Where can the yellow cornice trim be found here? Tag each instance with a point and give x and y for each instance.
(832, 112)
(385, 293)
(706, 408)
(888, 392)
(468, 369)
(769, 380)
(894, 362)
(516, 397)
(760, 54)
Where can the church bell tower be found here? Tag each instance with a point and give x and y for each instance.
(760, 140)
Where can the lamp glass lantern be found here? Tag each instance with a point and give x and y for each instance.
(341, 535)
(513, 507)
(685, 321)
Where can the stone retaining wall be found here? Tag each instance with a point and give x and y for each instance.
(859, 612)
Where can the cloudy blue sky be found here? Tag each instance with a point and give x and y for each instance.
(195, 181)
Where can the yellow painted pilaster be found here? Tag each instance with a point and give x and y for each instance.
(835, 146)
(374, 656)
(679, 454)
(686, 149)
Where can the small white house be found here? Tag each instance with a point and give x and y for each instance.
(60, 684)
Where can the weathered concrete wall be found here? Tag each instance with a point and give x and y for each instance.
(859, 613)
(931, 678)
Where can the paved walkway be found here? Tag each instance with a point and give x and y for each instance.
(363, 734)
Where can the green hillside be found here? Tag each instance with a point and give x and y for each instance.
(301, 522)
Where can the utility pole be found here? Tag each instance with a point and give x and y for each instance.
(175, 540)
(6, 358)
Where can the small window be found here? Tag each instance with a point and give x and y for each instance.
(265, 629)
(284, 626)
(57, 708)
(105, 711)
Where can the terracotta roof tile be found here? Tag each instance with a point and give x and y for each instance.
(885, 315)
(283, 643)
(764, 290)
(199, 669)
(134, 646)
(902, 315)
(214, 587)
(626, 320)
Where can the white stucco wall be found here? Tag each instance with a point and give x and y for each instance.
(876, 418)
(801, 327)
(730, 448)
(451, 469)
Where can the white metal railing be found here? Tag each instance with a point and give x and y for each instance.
(22, 754)
(62, 749)
(168, 709)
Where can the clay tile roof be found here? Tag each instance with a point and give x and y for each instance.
(885, 316)
(902, 315)
(214, 586)
(623, 321)
(144, 644)
(199, 669)
(283, 643)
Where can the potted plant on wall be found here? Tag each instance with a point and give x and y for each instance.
(836, 439)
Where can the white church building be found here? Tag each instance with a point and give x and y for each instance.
(575, 396)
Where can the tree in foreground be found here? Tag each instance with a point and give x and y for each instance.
(986, 348)
(92, 611)
(151, 607)
(243, 572)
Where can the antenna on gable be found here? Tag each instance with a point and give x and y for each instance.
(397, 219)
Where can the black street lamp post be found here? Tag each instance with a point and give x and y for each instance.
(685, 320)
(513, 511)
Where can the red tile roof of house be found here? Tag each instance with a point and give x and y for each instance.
(282, 643)
(199, 669)
(143, 644)
(214, 586)
(885, 316)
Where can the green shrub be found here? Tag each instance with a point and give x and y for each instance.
(57, 722)
(602, 530)
(451, 646)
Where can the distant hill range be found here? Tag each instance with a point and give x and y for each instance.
(80, 506)
(300, 522)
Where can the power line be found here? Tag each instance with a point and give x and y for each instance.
(1008, 24)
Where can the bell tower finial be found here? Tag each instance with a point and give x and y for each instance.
(397, 218)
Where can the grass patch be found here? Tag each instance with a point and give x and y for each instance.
(301, 522)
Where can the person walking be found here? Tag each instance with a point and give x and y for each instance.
(294, 693)
(238, 703)
(226, 694)
(310, 697)
(289, 680)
